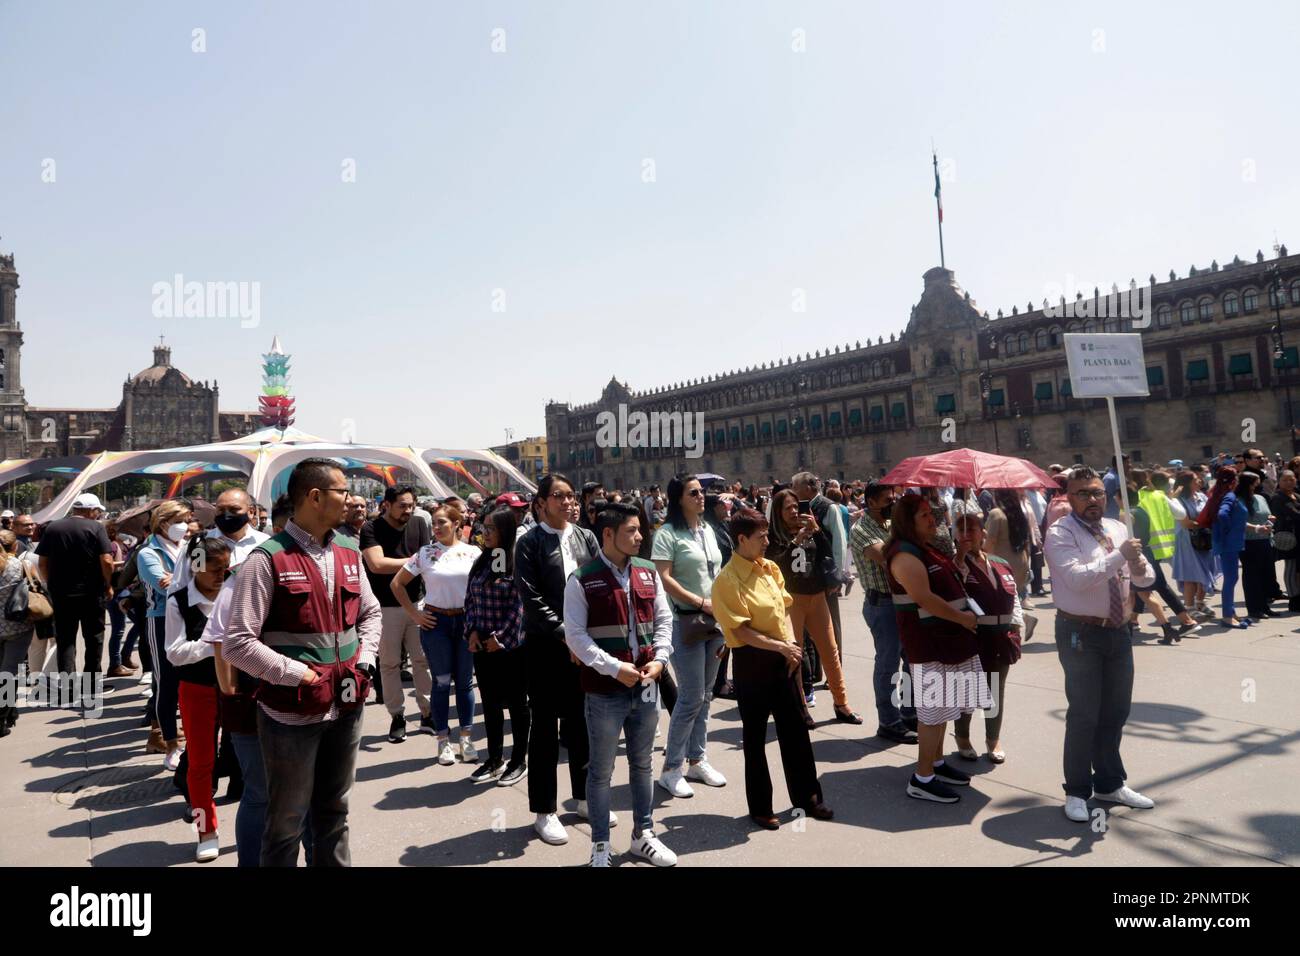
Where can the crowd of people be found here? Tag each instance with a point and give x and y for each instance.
(582, 611)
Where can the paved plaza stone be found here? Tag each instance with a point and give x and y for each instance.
(1213, 739)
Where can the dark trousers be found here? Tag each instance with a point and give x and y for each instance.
(1258, 579)
(308, 768)
(558, 706)
(721, 679)
(83, 612)
(1098, 665)
(668, 690)
(766, 689)
(1036, 570)
(166, 685)
(501, 684)
(1161, 587)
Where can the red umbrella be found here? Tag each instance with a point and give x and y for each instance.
(968, 468)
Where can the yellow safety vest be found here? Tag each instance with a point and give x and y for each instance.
(1156, 505)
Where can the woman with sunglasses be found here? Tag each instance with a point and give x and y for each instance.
(686, 553)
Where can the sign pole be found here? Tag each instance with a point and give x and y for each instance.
(1119, 464)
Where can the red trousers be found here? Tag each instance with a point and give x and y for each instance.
(201, 716)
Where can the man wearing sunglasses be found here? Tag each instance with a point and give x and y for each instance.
(545, 556)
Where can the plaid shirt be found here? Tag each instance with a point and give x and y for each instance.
(864, 534)
(494, 609)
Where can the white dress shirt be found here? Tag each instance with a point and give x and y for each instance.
(584, 646)
(1081, 567)
(180, 650)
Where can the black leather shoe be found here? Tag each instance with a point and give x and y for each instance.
(909, 723)
(766, 822)
(847, 716)
(397, 729)
(898, 733)
(820, 812)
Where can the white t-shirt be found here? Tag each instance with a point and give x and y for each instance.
(445, 571)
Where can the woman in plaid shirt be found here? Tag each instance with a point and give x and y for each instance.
(494, 625)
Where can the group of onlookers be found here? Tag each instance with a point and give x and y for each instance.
(582, 612)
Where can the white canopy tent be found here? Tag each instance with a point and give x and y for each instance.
(262, 456)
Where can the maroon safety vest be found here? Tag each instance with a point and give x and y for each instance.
(302, 624)
(998, 646)
(928, 639)
(607, 620)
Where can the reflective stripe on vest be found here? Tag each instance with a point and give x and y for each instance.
(905, 602)
(314, 648)
(1163, 528)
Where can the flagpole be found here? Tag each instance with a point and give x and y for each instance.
(938, 207)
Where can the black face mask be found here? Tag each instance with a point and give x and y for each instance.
(229, 524)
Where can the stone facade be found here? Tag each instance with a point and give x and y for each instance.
(161, 407)
(996, 384)
(527, 454)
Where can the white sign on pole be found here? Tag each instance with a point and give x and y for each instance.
(1106, 364)
(1103, 365)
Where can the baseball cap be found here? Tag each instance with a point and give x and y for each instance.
(6, 513)
(87, 501)
(511, 499)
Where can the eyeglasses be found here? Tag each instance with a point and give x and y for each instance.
(696, 493)
(563, 496)
(1091, 494)
(342, 491)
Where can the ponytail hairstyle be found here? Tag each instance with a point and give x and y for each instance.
(1225, 479)
(1017, 523)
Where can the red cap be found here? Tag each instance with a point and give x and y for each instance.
(511, 499)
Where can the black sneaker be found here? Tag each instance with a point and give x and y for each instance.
(910, 722)
(936, 790)
(951, 775)
(513, 774)
(426, 723)
(898, 733)
(397, 729)
(488, 771)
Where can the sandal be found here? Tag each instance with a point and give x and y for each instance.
(967, 752)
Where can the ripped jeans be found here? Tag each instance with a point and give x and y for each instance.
(450, 660)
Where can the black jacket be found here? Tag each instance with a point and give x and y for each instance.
(540, 578)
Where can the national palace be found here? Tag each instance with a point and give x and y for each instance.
(1220, 346)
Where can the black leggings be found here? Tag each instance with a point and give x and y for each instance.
(503, 686)
(1257, 576)
(1162, 587)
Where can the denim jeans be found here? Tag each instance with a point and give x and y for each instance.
(634, 712)
(883, 625)
(449, 659)
(1230, 573)
(117, 620)
(250, 818)
(309, 769)
(1098, 665)
(696, 666)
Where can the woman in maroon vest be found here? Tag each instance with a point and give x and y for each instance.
(938, 636)
(991, 581)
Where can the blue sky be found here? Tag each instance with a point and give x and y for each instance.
(1098, 142)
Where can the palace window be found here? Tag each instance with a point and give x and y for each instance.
(1187, 313)
(1164, 317)
(1205, 309)
(1250, 301)
(1231, 305)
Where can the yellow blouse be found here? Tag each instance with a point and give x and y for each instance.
(753, 593)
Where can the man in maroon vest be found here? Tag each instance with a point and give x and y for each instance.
(305, 624)
(618, 624)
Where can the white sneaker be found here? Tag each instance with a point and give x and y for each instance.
(550, 829)
(209, 849)
(147, 693)
(705, 774)
(146, 678)
(172, 760)
(599, 854)
(467, 751)
(675, 783)
(582, 812)
(446, 756)
(1130, 798)
(648, 847)
(1076, 809)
